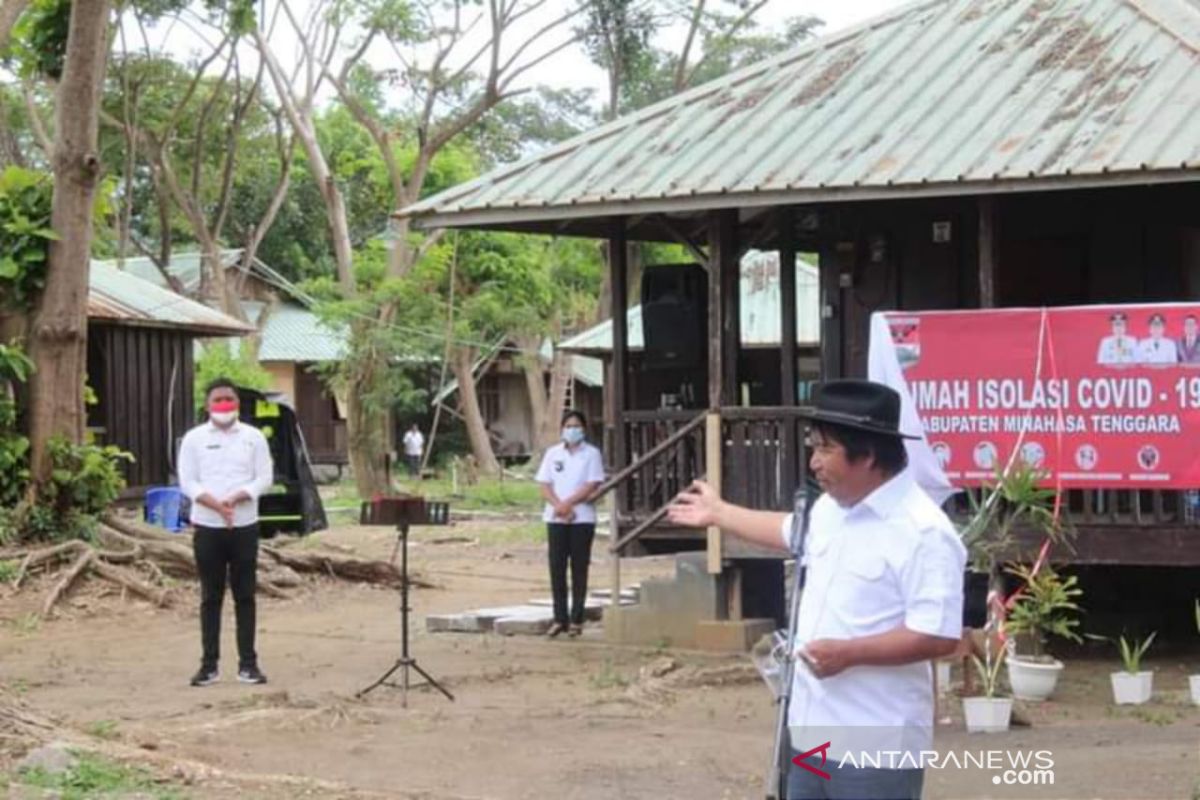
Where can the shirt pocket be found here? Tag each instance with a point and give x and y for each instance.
(868, 594)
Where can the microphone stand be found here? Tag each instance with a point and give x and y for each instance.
(780, 761)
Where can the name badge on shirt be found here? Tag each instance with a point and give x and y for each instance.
(558, 466)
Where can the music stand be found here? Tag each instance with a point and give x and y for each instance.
(404, 512)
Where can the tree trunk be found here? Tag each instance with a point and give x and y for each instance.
(535, 387)
(463, 360)
(59, 342)
(560, 378)
(367, 429)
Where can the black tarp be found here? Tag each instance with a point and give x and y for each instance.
(299, 509)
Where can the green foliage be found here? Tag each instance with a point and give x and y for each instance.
(1132, 652)
(39, 41)
(15, 367)
(1045, 607)
(8, 570)
(84, 481)
(103, 729)
(25, 235)
(989, 672)
(219, 360)
(1014, 500)
(95, 777)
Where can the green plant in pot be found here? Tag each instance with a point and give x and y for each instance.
(989, 712)
(1014, 503)
(1044, 607)
(1133, 685)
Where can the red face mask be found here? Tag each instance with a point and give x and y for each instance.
(223, 406)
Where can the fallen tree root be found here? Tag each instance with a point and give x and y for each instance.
(141, 560)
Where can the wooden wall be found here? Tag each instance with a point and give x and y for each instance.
(143, 379)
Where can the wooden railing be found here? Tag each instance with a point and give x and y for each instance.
(1123, 508)
(760, 456)
(667, 449)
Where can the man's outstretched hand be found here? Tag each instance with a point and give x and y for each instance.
(696, 507)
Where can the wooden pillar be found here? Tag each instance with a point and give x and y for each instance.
(787, 295)
(724, 324)
(789, 452)
(987, 252)
(618, 263)
(713, 440)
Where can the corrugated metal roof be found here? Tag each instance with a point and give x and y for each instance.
(127, 299)
(760, 309)
(184, 266)
(296, 334)
(940, 96)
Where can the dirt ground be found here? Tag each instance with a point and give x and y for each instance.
(533, 718)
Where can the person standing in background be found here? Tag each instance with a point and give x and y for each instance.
(570, 471)
(414, 447)
(224, 466)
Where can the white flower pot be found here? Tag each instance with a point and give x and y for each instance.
(1132, 688)
(1194, 683)
(1033, 680)
(987, 714)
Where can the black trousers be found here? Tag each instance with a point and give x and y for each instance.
(571, 543)
(227, 555)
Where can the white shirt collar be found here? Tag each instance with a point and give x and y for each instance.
(883, 501)
(212, 426)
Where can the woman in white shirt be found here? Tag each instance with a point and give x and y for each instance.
(570, 471)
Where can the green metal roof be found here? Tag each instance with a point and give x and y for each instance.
(184, 266)
(124, 299)
(937, 97)
(761, 314)
(293, 333)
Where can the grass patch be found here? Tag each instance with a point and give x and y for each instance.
(103, 729)
(486, 495)
(519, 533)
(27, 624)
(94, 777)
(8, 570)
(609, 677)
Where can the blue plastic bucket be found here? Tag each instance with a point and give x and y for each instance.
(163, 505)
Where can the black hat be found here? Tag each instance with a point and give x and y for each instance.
(1118, 317)
(1159, 318)
(862, 405)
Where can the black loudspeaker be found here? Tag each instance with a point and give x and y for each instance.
(675, 315)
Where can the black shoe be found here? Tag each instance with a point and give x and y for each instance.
(575, 630)
(206, 676)
(251, 675)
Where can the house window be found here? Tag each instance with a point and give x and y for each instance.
(488, 390)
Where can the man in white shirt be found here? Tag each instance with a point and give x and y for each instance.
(883, 597)
(1157, 349)
(1120, 348)
(414, 446)
(224, 466)
(569, 473)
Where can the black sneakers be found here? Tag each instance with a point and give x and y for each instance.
(251, 675)
(206, 676)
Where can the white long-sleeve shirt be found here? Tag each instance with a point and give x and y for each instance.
(221, 463)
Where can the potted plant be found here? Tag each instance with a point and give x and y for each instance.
(1134, 685)
(988, 713)
(1014, 501)
(1045, 607)
(1194, 680)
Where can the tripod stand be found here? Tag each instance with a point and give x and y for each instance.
(406, 661)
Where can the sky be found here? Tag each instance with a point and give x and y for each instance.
(570, 68)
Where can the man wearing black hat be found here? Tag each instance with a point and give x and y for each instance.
(883, 596)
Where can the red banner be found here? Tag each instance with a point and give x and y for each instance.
(1099, 396)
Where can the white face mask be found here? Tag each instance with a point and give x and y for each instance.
(572, 436)
(224, 419)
